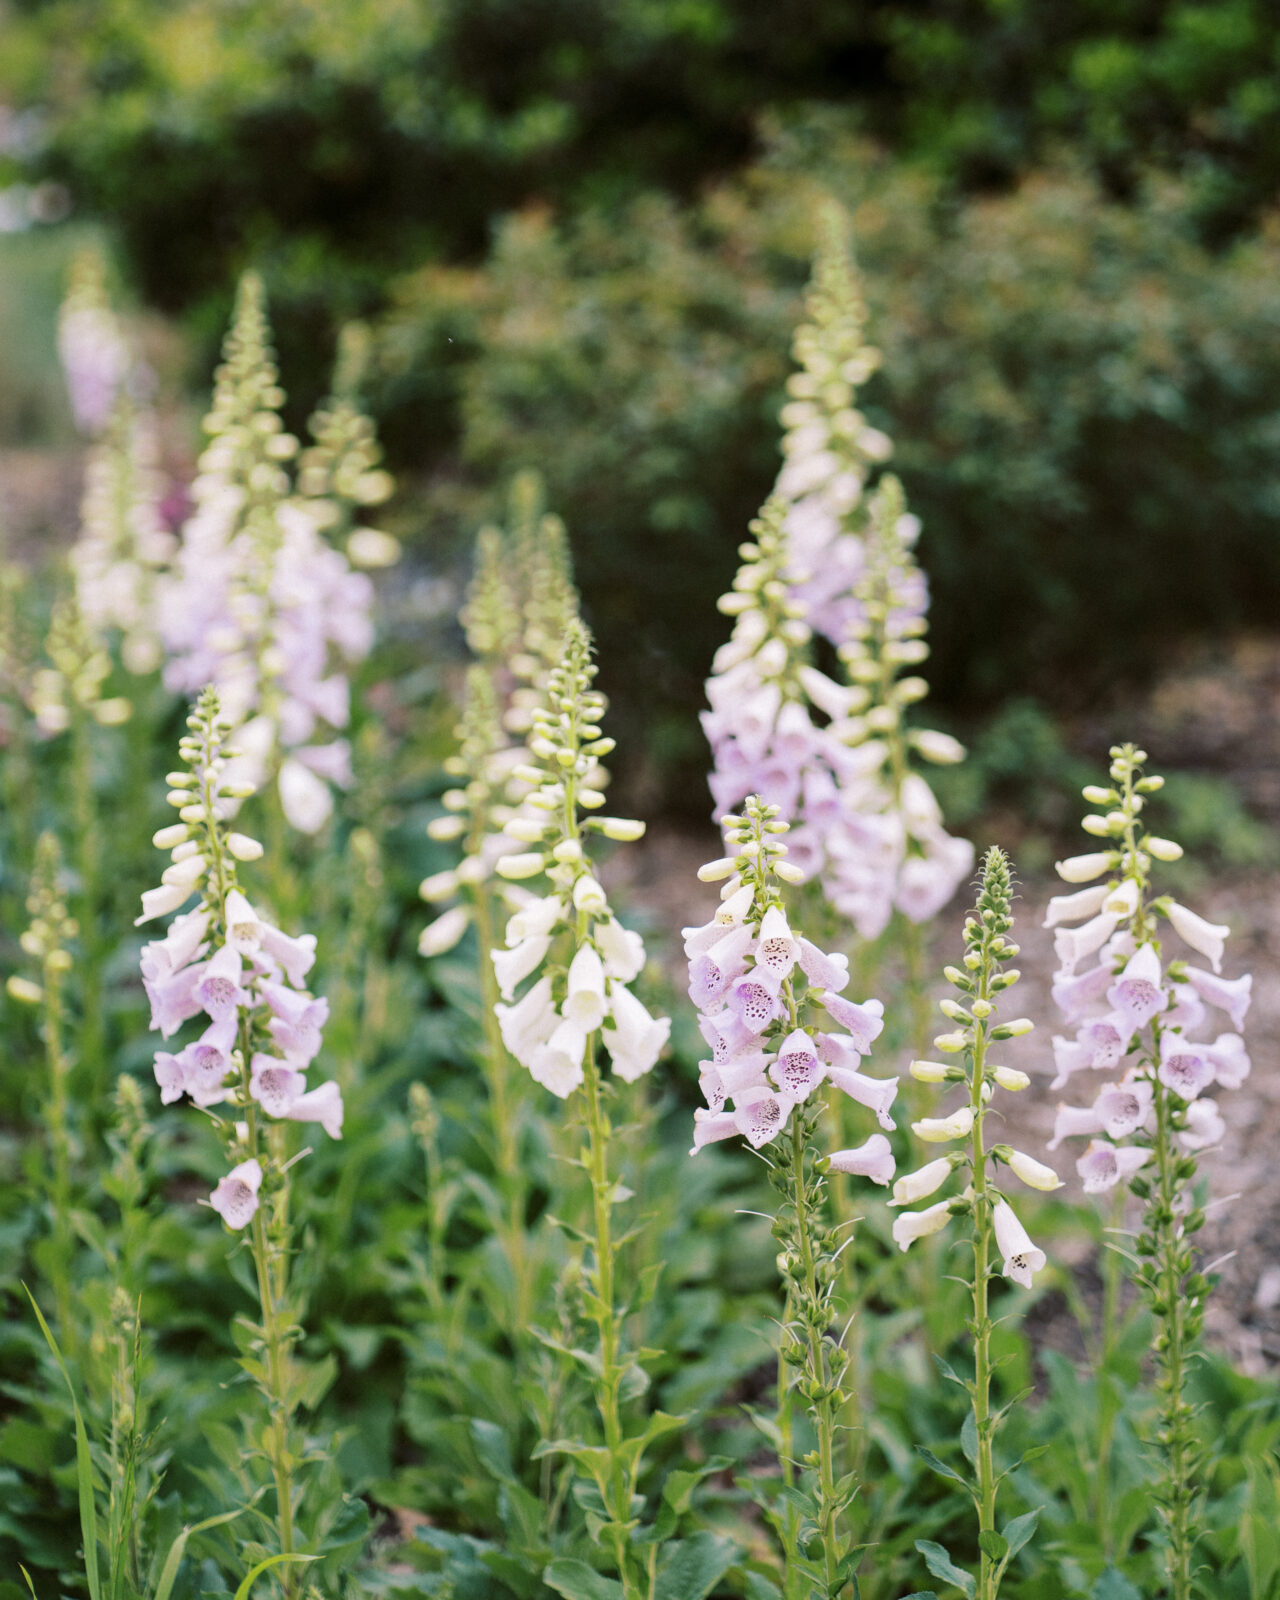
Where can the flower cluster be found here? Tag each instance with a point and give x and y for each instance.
(259, 604)
(764, 996)
(95, 355)
(1134, 1011)
(829, 449)
(552, 1025)
(225, 963)
(123, 545)
(79, 666)
(979, 982)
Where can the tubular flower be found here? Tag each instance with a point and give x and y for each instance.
(761, 1002)
(225, 963)
(258, 603)
(1141, 1005)
(567, 938)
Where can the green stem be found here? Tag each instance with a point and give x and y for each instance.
(988, 1571)
(618, 1485)
(1171, 1350)
(506, 1134)
(84, 809)
(58, 1123)
(824, 1406)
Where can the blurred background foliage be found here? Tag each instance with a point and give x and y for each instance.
(581, 228)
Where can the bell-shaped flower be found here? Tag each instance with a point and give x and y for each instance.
(1022, 1259)
(1084, 869)
(1105, 1042)
(535, 918)
(296, 1021)
(710, 1126)
(1073, 1121)
(1123, 1108)
(307, 801)
(926, 1180)
(776, 950)
(863, 1023)
(172, 993)
(753, 1002)
(219, 990)
(1204, 1127)
(726, 1034)
(1124, 899)
(585, 1002)
(761, 1115)
(939, 1130)
(171, 1076)
(1137, 994)
(182, 943)
(1231, 1064)
(1231, 995)
(1104, 1165)
(275, 1085)
(1188, 1011)
(823, 971)
(245, 929)
(1031, 1172)
(1209, 939)
(159, 902)
(236, 1197)
(1076, 996)
(908, 1226)
(730, 914)
(873, 1160)
(444, 933)
(746, 1070)
(529, 1023)
(1184, 1067)
(295, 957)
(621, 949)
(1072, 945)
(512, 967)
(712, 1086)
(557, 1064)
(877, 1094)
(636, 1039)
(797, 1068)
(322, 1104)
(1069, 1056)
(711, 973)
(1074, 907)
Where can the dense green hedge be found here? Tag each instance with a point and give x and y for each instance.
(1086, 404)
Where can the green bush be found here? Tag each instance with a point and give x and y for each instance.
(1083, 398)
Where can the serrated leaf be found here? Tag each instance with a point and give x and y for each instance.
(941, 1565)
(575, 1580)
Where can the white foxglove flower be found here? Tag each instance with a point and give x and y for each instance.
(1072, 945)
(1022, 1259)
(873, 1160)
(622, 949)
(918, 1185)
(1209, 939)
(236, 1197)
(939, 1130)
(585, 1003)
(908, 1226)
(444, 934)
(1033, 1173)
(1073, 907)
(557, 1064)
(636, 1039)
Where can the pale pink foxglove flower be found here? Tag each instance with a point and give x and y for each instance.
(908, 1226)
(873, 1160)
(1206, 938)
(236, 1197)
(1022, 1258)
(1104, 1165)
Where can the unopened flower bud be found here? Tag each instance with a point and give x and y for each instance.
(625, 830)
(929, 1071)
(1014, 1029)
(1162, 849)
(525, 865)
(950, 1043)
(1011, 1078)
(243, 848)
(443, 828)
(713, 871)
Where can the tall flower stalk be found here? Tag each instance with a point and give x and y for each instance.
(764, 994)
(995, 1233)
(1137, 1010)
(581, 961)
(226, 963)
(47, 940)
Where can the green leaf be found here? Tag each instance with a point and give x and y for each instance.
(577, 1581)
(1113, 1585)
(940, 1466)
(920, 1594)
(993, 1545)
(969, 1438)
(689, 1569)
(27, 1576)
(247, 1582)
(941, 1565)
(84, 1466)
(1019, 1530)
(169, 1572)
